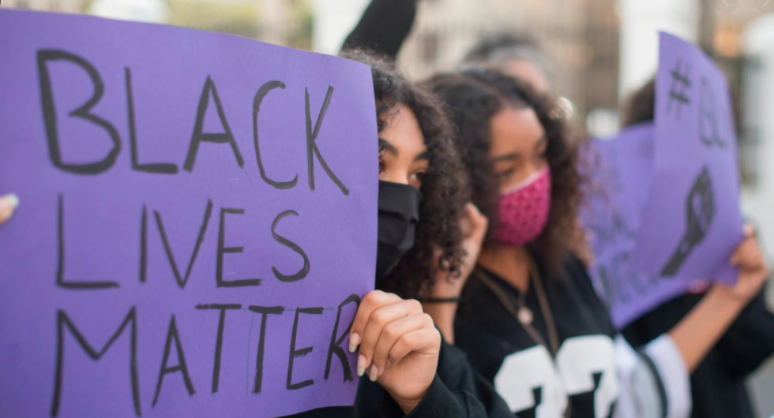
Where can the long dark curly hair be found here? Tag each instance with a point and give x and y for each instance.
(474, 96)
(444, 187)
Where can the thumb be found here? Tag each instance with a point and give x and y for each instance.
(478, 221)
(736, 257)
(741, 250)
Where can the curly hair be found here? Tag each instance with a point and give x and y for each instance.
(444, 187)
(474, 97)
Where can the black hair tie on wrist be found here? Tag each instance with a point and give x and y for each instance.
(441, 300)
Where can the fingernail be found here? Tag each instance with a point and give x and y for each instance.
(11, 200)
(374, 373)
(354, 341)
(389, 363)
(361, 365)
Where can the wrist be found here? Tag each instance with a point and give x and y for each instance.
(435, 301)
(443, 316)
(444, 290)
(407, 405)
(726, 297)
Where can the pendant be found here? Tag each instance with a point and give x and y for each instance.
(525, 316)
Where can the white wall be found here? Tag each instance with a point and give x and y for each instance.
(640, 22)
(150, 11)
(72, 6)
(758, 44)
(333, 20)
(758, 202)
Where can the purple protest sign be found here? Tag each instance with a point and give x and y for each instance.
(197, 221)
(692, 220)
(621, 178)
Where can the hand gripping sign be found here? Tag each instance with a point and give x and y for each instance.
(199, 221)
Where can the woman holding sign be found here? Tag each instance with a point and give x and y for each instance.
(746, 345)
(407, 369)
(530, 320)
(421, 201)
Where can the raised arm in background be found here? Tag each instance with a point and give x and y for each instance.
(384, 27)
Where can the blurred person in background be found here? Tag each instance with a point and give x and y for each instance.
(515, 54)
(718, 383)
(530, 320)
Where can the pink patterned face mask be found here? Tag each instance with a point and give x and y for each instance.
(523, 210)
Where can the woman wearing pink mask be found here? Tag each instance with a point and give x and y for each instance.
(529, 319)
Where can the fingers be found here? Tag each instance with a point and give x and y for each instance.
(390, 335)
(747, 248)
(415, 341)
(8, 204)
(748, 255)
(370, 303)
(377, 322)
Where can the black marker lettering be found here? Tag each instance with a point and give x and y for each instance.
(311, 145)
(265, 312)
(219, 340)
(199, 136)
(299, 353)
(182, 281)
(60, 280)
(162, 168)
(144, 245)
(222, 250)
(262, 92)
(50, 116)
(63, 321)
(335, 345)
(173, 334)
(302, 273)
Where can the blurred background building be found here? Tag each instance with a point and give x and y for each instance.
(601, 50)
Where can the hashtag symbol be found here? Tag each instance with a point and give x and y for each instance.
(679, 88)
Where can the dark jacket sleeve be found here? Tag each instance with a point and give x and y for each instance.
(384, 27)
(747, 343)
(750, 339)
(455, 370)
(439, 402)
(456, 392)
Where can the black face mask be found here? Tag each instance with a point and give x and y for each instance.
(398, 219)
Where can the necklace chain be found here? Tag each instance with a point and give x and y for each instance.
(511, 306)
(514, 307)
